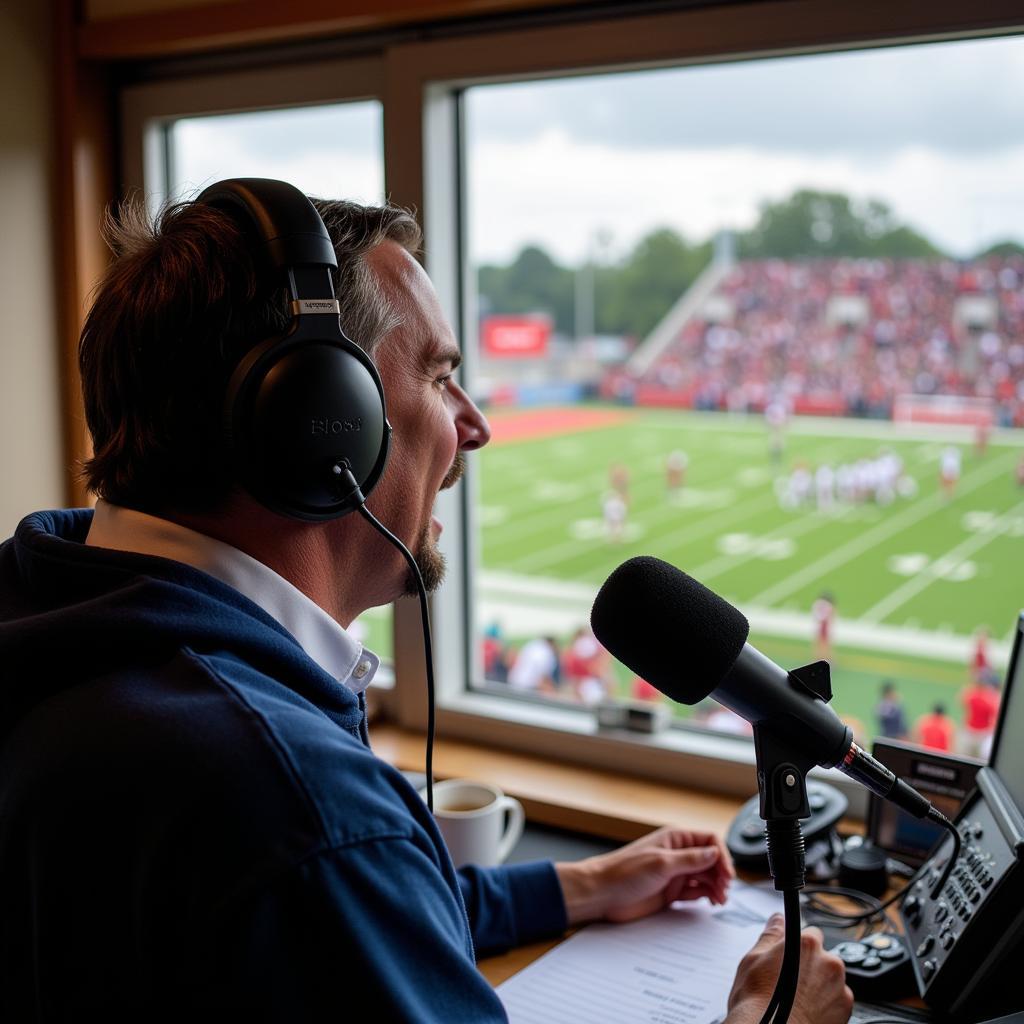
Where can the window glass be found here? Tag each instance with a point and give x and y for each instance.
(763, 320)
(330, 151)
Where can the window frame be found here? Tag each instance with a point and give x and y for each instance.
(147, 109)
(419, 84)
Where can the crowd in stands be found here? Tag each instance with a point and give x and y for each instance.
(581, 672)
(848, 336)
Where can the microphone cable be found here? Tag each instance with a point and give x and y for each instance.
(427, 648)
(781, 1003)
(839, 919)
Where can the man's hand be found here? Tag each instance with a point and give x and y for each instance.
(646, 876)
(822, 996)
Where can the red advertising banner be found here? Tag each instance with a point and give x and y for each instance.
(516, 337)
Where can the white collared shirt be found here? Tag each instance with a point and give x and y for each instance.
(324, 640)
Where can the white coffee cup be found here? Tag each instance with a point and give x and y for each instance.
(479, 823)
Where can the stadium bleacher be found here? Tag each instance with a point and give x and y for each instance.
(846, 337)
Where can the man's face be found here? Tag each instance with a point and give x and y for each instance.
(434, 420)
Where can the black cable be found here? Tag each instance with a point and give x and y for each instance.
(427, 649)
(781, 1003)
(940, 819)
(843, 919)
(851, 919)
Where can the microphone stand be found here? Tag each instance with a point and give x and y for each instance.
(782, 784)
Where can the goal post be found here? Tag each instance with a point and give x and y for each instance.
(944, 410)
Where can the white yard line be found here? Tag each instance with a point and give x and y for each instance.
(535, 604)
(828, 426)
(913, 586)
(712, 523)
(883, 531)
(796, 528)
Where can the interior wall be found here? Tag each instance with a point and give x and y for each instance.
(31, 472)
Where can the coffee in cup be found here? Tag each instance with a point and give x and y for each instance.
(480, 824)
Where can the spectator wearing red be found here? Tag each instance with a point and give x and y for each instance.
(586, 667)
(981, 710)
(980, 666)
(643, 690)
(936, 730)
(823, 612)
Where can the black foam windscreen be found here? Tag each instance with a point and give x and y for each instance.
(669, 629)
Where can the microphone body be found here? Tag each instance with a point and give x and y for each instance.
(648, 611)
(757, 689)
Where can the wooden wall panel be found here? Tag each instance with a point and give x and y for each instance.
(84, 185)
(215, 26)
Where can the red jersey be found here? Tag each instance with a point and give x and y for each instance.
(936, 732)
(981, 707)
(642, 690)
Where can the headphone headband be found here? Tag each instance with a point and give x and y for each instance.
(304, 411)
(287, 223)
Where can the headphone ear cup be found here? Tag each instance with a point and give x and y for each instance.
(296, 408)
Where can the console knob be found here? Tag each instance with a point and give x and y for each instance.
(926, 944)
(851, 952)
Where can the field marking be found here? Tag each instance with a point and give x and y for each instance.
(534, 599)
(557, 553)
(927, 576)
(886, 529)
(534, 520)
(830, 426)
(787, 531)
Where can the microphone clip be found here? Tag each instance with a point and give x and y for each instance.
(782, 785)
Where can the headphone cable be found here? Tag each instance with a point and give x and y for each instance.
(427, 648)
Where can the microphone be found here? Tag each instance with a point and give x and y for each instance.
(689, 643)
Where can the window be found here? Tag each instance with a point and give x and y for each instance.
(328, 150)
(763, 320)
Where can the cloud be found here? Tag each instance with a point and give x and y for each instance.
(953, 97)
(560, 193)
(331, 151)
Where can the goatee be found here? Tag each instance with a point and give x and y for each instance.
(429, 559)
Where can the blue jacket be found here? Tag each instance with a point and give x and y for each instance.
(192, 823)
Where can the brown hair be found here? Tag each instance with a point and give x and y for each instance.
(176, 310)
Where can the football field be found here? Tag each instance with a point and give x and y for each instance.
(911, 579)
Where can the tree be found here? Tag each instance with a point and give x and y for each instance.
(531, 283)
(633, 296)
(829, 224)
(1002, 249)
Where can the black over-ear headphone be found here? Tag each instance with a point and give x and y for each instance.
(304, 410)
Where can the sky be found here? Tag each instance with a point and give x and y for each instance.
(587, 165)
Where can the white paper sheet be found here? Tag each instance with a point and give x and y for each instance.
(673, 968)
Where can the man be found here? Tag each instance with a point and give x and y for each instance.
(892, 722)
(192, 823)
(823, 614)
(980, 701)
(935, 730)
(535, 668)
(949, 470)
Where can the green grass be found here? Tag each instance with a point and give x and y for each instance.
(935, 566)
